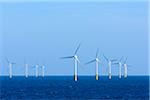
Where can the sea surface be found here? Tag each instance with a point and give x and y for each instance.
(64, 88)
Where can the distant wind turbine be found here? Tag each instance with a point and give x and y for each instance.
(97, 62)
(26, 69)
(76, 61)
(43, 70)
(120, 66)
(36, 70)
(10, 67)
(110, 61)
(125, 68)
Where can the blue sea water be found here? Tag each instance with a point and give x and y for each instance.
(64, 88)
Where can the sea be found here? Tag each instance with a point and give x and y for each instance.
(65, 88)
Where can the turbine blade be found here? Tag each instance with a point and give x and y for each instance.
(106, 58)
(121, 59)
(112, 60)
(97, 53)
(66, 57)
(77, 49)
(129, 66)
(115, 63)
(13, 63)
(90, 62)
(24, 61)
(79, 64)
(7, 60)
(77, 60)
(33, 66)
(125, 60)
(99, 60)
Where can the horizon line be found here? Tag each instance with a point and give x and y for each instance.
(69, 75)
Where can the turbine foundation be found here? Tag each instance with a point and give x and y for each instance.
(97, 76)
(75, 77)
(109, 75)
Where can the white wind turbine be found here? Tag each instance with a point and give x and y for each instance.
(43, 70)
(120, 66)
(110, 62)
(97, 62)
(10, 64)
(26, 69)
(36, 70)
(125, 68)
(76, 61)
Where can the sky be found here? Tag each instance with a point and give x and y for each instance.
(42, 32)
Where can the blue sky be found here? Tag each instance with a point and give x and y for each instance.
(41, 32)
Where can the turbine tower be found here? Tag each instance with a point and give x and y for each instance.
(110, 62)
(36, 70)
(125, 68)
(26, 69)
(76, 61)
(120, 66)
(97, 62)
(43, 69)
(10, 64)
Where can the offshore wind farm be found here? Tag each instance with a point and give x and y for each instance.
(76, 65)
(74, 50)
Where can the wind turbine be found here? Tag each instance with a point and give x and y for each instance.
(26, 69)
(10, 64)
(110, 61)
(120, 66)
(97, 62)
(125, 68)
(43, 70)
(36, 70)
(76, 61)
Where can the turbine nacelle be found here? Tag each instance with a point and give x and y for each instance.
(120, 64)
(125, 65)
(109, 63)
(26, 64)
(75, 57)
(97, 60)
